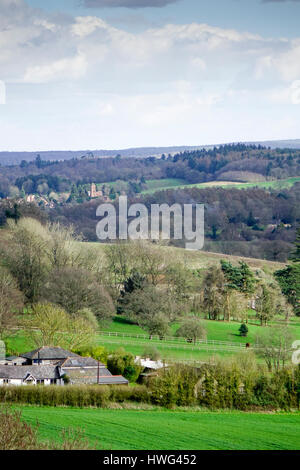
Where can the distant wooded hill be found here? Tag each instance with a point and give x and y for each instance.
(15, 158)
(253, 222)
(239, 162)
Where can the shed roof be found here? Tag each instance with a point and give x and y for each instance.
(113, 380)
(83, 374)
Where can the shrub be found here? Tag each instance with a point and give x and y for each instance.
(151, 352)
(243, 329)
(15, 434)
(99, 353)
(174, 386)
(122, 363)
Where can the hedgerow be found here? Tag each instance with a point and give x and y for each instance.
(213, 387)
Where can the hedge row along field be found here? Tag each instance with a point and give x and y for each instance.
(213, 387)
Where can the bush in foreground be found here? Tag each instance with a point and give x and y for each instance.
(15, 434)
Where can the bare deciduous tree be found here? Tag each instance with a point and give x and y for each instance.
(50, 325)
(274, 345)
(11, 303)
(192, 329)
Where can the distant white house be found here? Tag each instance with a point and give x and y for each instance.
(148, 365)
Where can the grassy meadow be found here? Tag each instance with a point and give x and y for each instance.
(177, 183)
(173, 183)
(158, 429)
(168, 349)
(216, 330)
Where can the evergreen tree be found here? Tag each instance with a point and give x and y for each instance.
(239, 277)
(13, 213)
(295, 256)
(289, 278)
(251, 220)
(112, 193)
(135, 281)
(74, 195)
(243, 330)
(82, 194)
(38, 161)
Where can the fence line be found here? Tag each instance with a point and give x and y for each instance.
(199, 347)
(174, 341)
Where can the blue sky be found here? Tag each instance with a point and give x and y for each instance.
(274, 18)
(185, 72)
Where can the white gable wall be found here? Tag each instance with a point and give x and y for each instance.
(22, 382)
(11, 382)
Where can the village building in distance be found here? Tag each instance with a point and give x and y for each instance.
(55, 366)
(149, 367)
(94, 193)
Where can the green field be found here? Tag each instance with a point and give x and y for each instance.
(165, 183)
(169, 349)
(170, 430)
(177, 183)
(216, 330)
(173, 183)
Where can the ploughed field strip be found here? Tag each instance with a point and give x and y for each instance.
(158, 429)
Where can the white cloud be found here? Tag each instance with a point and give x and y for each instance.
(288, 63)
(180, 82)
(199, 63)
(295, 92)
(69, 68)
(285, 63)
(85, 25)
(286, 95)
(106, 109)
(45, 24)
(39, 46)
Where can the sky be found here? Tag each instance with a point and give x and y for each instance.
(112, 74)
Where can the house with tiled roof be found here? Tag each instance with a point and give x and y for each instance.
(13, 361)
(89, 371)
(47, 355)
(30, 375)
(56, 366)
